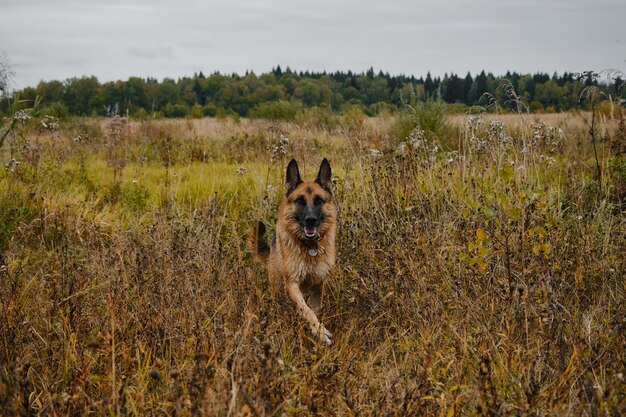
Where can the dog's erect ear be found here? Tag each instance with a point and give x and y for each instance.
(293, 176)
(325, 175)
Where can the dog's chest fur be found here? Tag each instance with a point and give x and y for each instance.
(299, 265)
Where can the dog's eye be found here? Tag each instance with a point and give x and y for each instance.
(300, 201)
(318, 201)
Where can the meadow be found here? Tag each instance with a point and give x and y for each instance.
(481, 265)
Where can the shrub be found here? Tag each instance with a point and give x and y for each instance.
(276, 110)
(430, 116)
(535, 107)
(353, 116)
(135, 197)
(381, 107)
(140, 114)
(209, 110)
(55, 109)
(457, 108)
(175, 110)
(197, 111)
(320, 117)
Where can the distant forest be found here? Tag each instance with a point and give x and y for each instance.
(280, 93)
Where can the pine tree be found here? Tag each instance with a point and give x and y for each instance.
(467, 86)
(452, 89)
(429, 85)
(482, 86)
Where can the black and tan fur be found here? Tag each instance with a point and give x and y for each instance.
(302, 250)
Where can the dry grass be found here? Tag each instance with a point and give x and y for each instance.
(481, 277)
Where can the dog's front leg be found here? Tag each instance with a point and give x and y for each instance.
(318, 329)
(316, 298)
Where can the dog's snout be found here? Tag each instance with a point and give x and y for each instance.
(310, 220)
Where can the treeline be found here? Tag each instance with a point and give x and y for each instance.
(279, 94)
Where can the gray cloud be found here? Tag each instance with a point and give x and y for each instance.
(151, 52)
(53, 39)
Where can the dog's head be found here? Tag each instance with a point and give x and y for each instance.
(308, 205)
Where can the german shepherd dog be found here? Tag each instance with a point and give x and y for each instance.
(302, 249)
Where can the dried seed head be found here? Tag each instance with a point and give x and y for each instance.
(155, 374)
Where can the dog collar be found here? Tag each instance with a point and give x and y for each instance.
(317, 249)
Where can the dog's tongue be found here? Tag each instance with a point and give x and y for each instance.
(310, 230)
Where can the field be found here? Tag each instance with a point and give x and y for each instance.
(481, 266)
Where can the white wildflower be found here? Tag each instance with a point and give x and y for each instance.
(22, 116)
(375, 153)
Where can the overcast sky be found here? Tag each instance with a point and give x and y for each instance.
(114, 39)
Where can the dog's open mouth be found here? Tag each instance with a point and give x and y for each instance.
(310, 232)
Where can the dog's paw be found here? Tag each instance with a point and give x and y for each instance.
(323, 334)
